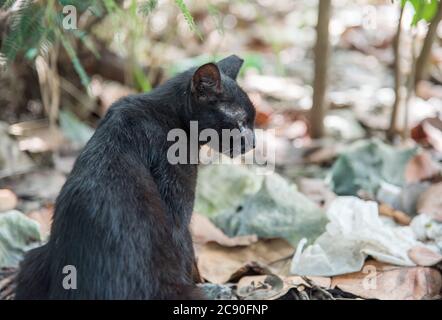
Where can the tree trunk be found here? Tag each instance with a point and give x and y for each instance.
(410, 88)
(422, 60)
(397, 79)
(321, 51)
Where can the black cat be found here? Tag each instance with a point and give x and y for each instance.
(122, 217)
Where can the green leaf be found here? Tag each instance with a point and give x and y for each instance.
(6, 4)
(75, 61)
(423, 9)
(366, 164)
(240, 202)
(188, 17)
(142, 80)
(17, 234)
(146, 7)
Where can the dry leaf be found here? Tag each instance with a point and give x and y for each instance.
(44, 219)
(37, 136)
(267, 287)
(323, 282)
(108, 92)
(316, 190)
(424, 257)
(271, 287)
(433, 130)
(386, 282)
(326, 154)
(429, 131)
(203, 231)
(8, 200)
(398, 216)
(421, 167)
(430, 202)
(217, 264)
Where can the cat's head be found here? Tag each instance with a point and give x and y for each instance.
(218, 103)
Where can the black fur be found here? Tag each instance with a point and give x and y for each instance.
(122, 216)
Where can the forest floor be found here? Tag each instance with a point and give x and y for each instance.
(349, 216)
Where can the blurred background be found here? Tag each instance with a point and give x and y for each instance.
(353, 90)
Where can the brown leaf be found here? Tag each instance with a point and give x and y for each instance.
(381, 281)
(317, 191)
(433, 129)
(271, 287)
(108, 92)
(323, 155)
(427, 90)
(266, 287)
(429, 131)
(421, 167)
(424, 257)
(44, 219)
(430, 202)
(37, 136)
(217, 264)
(203, 231)
(8, 200)
(398, 216)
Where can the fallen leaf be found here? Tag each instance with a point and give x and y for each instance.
(317, 191)
(427, 90)
(217, 264)
(108, 92)
(281, 88)
(44, 219)
(44, 184)
(277, 210)
(17, 233)
(266, 287)
(8, 200)
(430, 202)
(37, 136)
(424, 257)
(271, 286)
(323, 282)
(398, 216)
(218, 292)
(323, 155)
(203, 231)
(75, 130)
(263, 109)
(250, 268)
(12, 160)
(386, 282)
(368, 163)
(429, 131)
(421, 167)
(433, 130)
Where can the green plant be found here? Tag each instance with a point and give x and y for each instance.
(423, 9)
(35, 26)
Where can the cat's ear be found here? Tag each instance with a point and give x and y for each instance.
(231, 65)
(206, 81)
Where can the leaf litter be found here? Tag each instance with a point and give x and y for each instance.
(383, 242)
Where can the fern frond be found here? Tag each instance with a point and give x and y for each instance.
(26, 29)
(75, 61)
(188, 17)
(146, 7)
(6, 4)
(110, 5)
